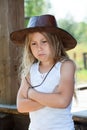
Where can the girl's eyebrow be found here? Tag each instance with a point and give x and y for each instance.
(43, 38)
(36, 41)
(31, 40)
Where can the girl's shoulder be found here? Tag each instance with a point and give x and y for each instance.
(68, 63)
(65, 61)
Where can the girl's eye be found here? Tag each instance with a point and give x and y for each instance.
(33, 43)
(44, 41)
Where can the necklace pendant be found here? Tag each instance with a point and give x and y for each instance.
(42, 76)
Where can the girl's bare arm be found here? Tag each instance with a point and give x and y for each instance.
(24, 104)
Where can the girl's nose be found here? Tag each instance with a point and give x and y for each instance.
(39, 47)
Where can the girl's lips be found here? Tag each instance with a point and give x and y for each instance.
(41, 54)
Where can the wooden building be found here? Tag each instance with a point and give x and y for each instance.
(11, 18)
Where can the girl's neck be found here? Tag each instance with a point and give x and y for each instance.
(45, 67)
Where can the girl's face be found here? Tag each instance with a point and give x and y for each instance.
(40, 47)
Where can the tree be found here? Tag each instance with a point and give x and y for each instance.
(69, 25)
(81, 32)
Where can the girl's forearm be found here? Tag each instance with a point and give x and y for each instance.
(55, 99)
(28, 105)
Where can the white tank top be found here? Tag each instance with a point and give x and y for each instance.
(49, 118)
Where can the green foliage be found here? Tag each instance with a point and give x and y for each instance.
(68, 25)
(34, 7)
(81, 76)
(81, 32)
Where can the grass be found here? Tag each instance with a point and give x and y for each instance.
(81, 76)
(77, 55)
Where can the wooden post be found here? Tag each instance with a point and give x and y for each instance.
(85, 60)
(11, 18)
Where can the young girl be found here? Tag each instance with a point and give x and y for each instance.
(48, 75)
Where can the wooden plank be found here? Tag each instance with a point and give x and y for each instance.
(12, 19)
(80, 116)
(10, 109)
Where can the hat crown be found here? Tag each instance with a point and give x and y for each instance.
(42, 21)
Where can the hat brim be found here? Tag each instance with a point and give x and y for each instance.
(69, 42)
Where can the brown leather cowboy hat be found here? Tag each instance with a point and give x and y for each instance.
(45, 23)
